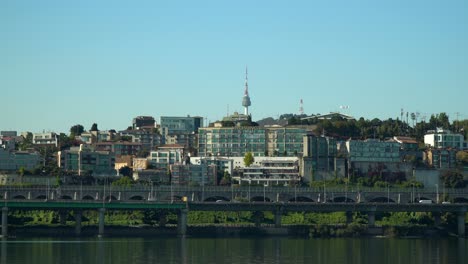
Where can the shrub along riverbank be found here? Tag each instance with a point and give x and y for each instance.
(318, 224)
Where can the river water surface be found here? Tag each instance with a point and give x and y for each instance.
(233, 250)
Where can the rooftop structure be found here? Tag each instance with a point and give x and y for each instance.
(180, 125)
(143, 121)
(329, 116)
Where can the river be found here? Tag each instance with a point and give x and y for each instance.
(233, 250)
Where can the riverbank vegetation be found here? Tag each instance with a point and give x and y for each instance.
(317, 224)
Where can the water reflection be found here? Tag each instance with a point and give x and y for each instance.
(233, 250)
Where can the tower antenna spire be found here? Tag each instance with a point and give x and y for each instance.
(246, 92)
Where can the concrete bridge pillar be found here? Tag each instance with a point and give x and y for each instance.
(349, 217)
(4, 222)
(461, 223)
(371, 218)
(78, 214)
(101, 221)
(436, 216)
(182, 222)
(63, 217)
(278, 213)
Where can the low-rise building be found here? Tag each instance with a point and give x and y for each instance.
(180, 125)
(408, 148)
(193, 175)
(270, 172)
(166, 155)
(8, 133)
(372, 150)
(120, 148)
(152, 176)
(260, 141)
(92, 137)
(376, 157)
(13, 160)
(140, 163)
(49, 138)
(123, 161)
(319, 159)
(143, 121)
(441, 158)
(86, 160)
(443, 138)
(148, 138)
(221, 163)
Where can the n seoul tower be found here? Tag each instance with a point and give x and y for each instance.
(246, 99)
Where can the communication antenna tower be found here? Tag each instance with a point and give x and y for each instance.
(301, 108)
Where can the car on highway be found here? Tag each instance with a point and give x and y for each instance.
(425, 201)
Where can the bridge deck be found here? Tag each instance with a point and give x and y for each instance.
(237, 206)
(38, 205)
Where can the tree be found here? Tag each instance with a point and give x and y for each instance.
(27, 142)
(76, 130)
(126, 171)
(453, 179)
(143, 153)
(439, 120)
(248, 159)
(94, 127)
(124, 182)
(226, 180)
(462, 157)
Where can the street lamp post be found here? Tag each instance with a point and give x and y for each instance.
(295, 192)
(346, 192)
(172, 195)
(437, 193)
(249, 189)
(388, 192)
(151, 191)
(324, 193)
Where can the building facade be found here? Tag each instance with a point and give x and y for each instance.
(260, 141)
(441, 158)
(140, 122)
(371, 150)
(119, 148)
(92, 137)
(319, 159)
(280, 171)
(181, 125)
(147, 137)
(193, 175)
(166, 155)
(49, 138)
(12, 160)
(374, 157)
(443, 138)
(86, 160)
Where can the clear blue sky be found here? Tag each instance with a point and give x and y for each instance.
(82, 62)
